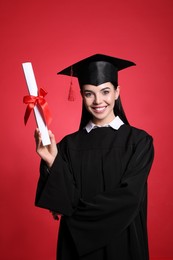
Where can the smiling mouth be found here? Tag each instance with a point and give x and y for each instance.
(99, 109)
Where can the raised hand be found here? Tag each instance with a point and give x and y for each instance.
(49, 152)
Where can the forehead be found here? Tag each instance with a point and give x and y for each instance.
(89, 87)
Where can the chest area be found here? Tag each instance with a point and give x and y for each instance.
(99, 168)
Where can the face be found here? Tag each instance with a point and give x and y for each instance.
(99, 101)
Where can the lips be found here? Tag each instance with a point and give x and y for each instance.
(99, 109)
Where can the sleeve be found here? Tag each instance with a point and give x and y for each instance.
(56, 190)
(109, 213)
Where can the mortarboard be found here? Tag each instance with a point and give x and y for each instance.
(97, 69)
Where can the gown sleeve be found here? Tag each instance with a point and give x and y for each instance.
(56, 190)
(107, 214)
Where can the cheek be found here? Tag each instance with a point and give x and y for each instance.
(111, 99)
(87, 101)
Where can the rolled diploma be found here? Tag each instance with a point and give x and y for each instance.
(33, 90)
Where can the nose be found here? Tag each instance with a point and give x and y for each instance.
(97, 99)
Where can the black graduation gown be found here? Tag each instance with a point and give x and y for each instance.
(98, 182)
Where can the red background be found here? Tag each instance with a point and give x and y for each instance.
(53, 34)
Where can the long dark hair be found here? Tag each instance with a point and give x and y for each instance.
(118, 111)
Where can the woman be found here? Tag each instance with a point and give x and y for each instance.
(96, 178)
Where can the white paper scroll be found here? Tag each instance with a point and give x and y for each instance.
(33, 90)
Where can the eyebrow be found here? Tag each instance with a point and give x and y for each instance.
(106, 88)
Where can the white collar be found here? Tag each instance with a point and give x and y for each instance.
(115, 124)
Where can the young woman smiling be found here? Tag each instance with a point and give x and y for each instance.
(96, 178)
(100, 101)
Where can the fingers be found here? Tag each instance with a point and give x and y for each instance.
(55, 215)
(49, 152)
(52, 137)
(37, 133)
(37, 136)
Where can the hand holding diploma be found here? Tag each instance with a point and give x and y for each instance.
(49, 152)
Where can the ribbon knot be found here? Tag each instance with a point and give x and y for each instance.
(41, 103)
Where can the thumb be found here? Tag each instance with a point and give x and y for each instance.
(52, 136)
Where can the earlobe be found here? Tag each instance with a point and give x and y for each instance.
(117, 92)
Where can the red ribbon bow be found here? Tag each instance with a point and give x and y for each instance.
(41, 103)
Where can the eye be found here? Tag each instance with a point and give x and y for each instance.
(105, 92)
(87, 94)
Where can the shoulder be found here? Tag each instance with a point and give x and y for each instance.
(139, 141)
(140, 132)
(73, 137)
(135, 134)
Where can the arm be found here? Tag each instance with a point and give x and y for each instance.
(56, 189)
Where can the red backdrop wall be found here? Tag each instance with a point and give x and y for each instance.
(53, 34)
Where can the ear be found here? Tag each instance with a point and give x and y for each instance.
(117, 92)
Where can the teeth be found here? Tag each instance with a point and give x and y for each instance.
(100, 108)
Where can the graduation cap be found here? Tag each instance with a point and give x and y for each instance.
(97, 69)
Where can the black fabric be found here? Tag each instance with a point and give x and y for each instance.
(97, 73)
(98, 182)
(97, 69)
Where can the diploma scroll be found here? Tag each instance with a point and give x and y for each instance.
(33, 90)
